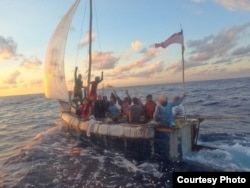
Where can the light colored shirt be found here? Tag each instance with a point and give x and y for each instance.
(179, 111)
(164, 114)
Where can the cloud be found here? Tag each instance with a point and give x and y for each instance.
(223, 60)
(130, 66)
(241, 50)
(36, 82)
(228, 60)
(85, 41)
(216, 46)
(207, 73)
(148, 54)
(177, 67)
(234, 5)
(103, 60)
(31, 64)
(217, 72)
(136, 45)
(7, 48)
(157, 67)
(200, 56)
(243, 72)
(12, 78)
(4, 87)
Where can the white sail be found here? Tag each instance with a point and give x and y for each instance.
(54, 79)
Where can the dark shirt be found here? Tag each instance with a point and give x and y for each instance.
(100, 109)
(78, 85)
(135, 113)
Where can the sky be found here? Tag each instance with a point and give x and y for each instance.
(216, 38)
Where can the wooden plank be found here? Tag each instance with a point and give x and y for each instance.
(164, 129)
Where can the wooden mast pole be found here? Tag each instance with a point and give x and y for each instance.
(90, 47)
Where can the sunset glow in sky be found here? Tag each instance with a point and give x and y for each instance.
(216, 38)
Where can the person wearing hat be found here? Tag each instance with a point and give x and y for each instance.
(163, 112)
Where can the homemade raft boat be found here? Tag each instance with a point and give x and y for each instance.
(170, 143)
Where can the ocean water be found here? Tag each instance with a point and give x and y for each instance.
(37, 151)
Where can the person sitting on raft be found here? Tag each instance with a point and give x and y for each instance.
(100, 108)
(149, 108)
(163, 112)
(135, 111)
(125, 103)
(114, 110)
(85, 109)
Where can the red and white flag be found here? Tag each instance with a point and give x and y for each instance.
(175, 38)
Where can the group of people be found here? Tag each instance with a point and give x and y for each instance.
(130, 110)
(79, 86)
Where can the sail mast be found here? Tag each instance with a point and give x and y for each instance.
(90, 47)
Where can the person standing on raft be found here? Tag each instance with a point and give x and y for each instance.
(93, 88)
(78, 87)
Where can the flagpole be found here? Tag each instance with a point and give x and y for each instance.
(182, 53)
(183, 74)
(179, 39)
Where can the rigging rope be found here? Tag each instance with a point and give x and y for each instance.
(99, 45)
(78, 43)
(80, 35)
